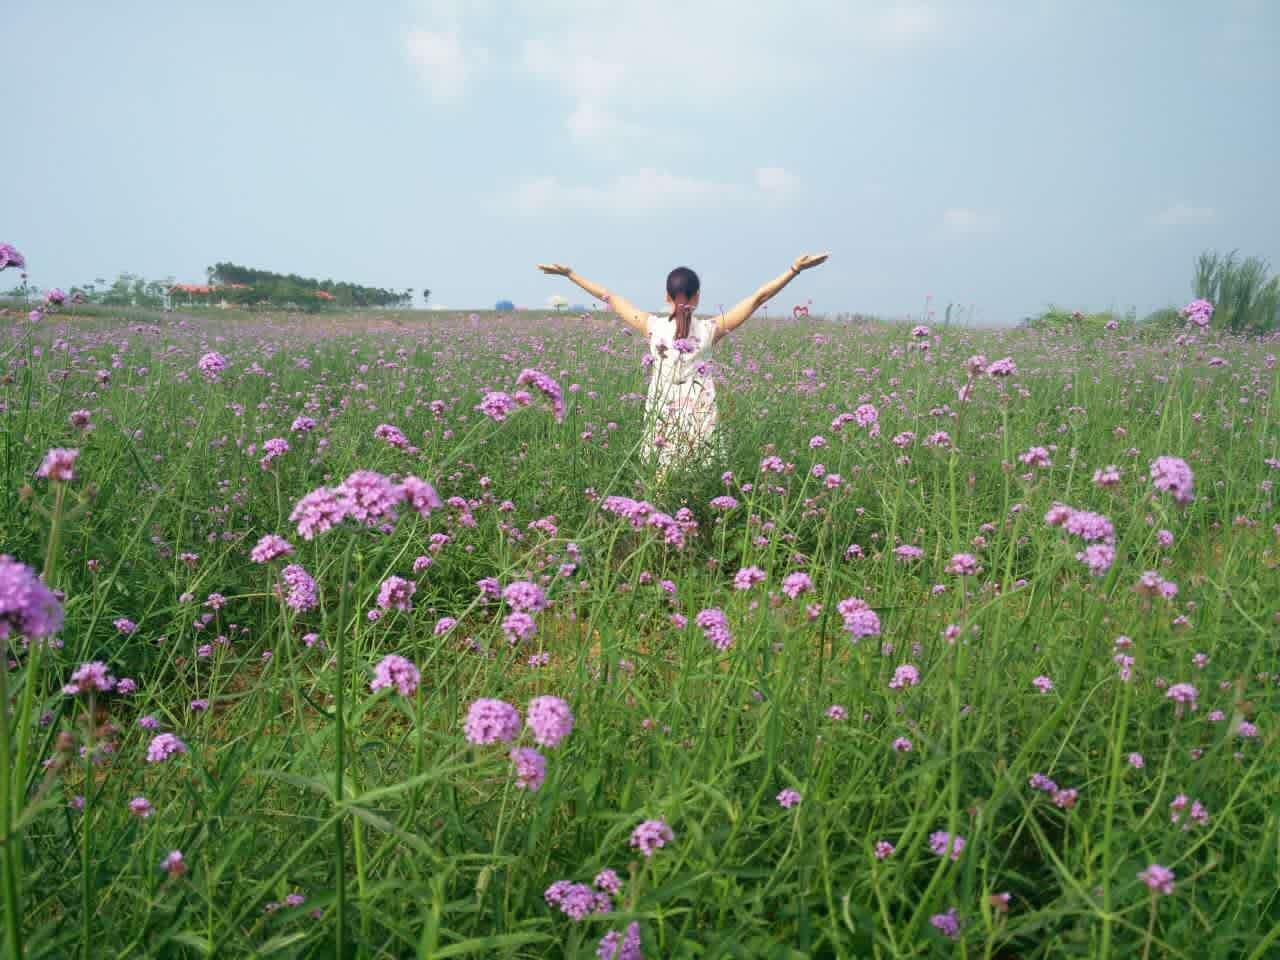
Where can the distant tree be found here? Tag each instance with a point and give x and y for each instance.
(504, 306)
(426, 295)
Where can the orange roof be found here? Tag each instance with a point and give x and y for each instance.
(325, 295)
(191, 288)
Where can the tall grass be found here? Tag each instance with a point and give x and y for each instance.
(405, 840)
(1245, 297)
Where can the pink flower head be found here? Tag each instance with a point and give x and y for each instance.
(1159, 879)
(211, 364)
(173, 864)
(859, 619)
(747, 577)
(547, 387)
(1002, 368)
(58, 464)
(394, 670)
(163, 746)
(89, 677)
(905, 675)
(491, 721)
(396, 593)
(318, 511)
(794, 584)
(369, 497)
(531, 768)
(964, 564)
(651, 835)
(1173, 475)
(421, 495)
(550, 719)
(943, 844)
(524, 596)
(300, 588)
(269, 548)
(788, 798)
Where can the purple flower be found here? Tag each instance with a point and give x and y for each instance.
(369, 497)
(651, 835)
(1173, 474)
(392, 435)
(517, 626)
(905, 675)
(496, 405)
(550, 719)
(141, 807)
(615, 946)
(317, 512)
(421, 495)
(531, 768)
(1183, 694)
(715, 627)
(394, 670)
(947, 924)
(942, 843)
(173, 864)
(794, 584)
(58, 464)
(576, 900)
(163, 746)
(10, 257)
(747, 577)
(491, 721)
(837, 712)
(1159, 879)
(859, 619)
(1042, 683)
(788, 798)
(608, 881)
(964, 564)
(300, 594)
(269, 548)
(902, 745)
(524, 596)
(125, 625)
(544, 385)
(1199, 312)
(212, 364)
(90, 676)
(396, 593)
(1098, 557)
(884, 850)
(1002, 368)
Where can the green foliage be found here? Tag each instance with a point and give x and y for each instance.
(429, 850)
(1244, 297)
(1058, 318)
(246, 285)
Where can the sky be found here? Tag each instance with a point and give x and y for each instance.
(1004, 156)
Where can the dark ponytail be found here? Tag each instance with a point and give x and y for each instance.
(682, 285)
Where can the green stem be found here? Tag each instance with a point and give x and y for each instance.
(11, 874)
(339, 696)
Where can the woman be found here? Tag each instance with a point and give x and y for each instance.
(680, 410)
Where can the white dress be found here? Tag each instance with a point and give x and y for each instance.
(680, 418)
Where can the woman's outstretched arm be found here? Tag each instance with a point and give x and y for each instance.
(736, 317)
(621, 306)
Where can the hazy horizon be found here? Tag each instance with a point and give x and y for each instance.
(1004, 156)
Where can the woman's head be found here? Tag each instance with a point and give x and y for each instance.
(682, 296)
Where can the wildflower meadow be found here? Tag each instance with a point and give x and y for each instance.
(369, 635)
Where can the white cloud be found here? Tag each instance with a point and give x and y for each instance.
(1182, 214)
(671, 58)
(775, 180)
(966, 220)
(904, 22)
(441, 61)
(633, 194)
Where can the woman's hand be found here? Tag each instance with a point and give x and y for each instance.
(555, 269)
(809, 260)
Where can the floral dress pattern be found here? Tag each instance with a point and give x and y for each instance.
(680, 417)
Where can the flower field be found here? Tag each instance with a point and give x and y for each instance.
(372, 637)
